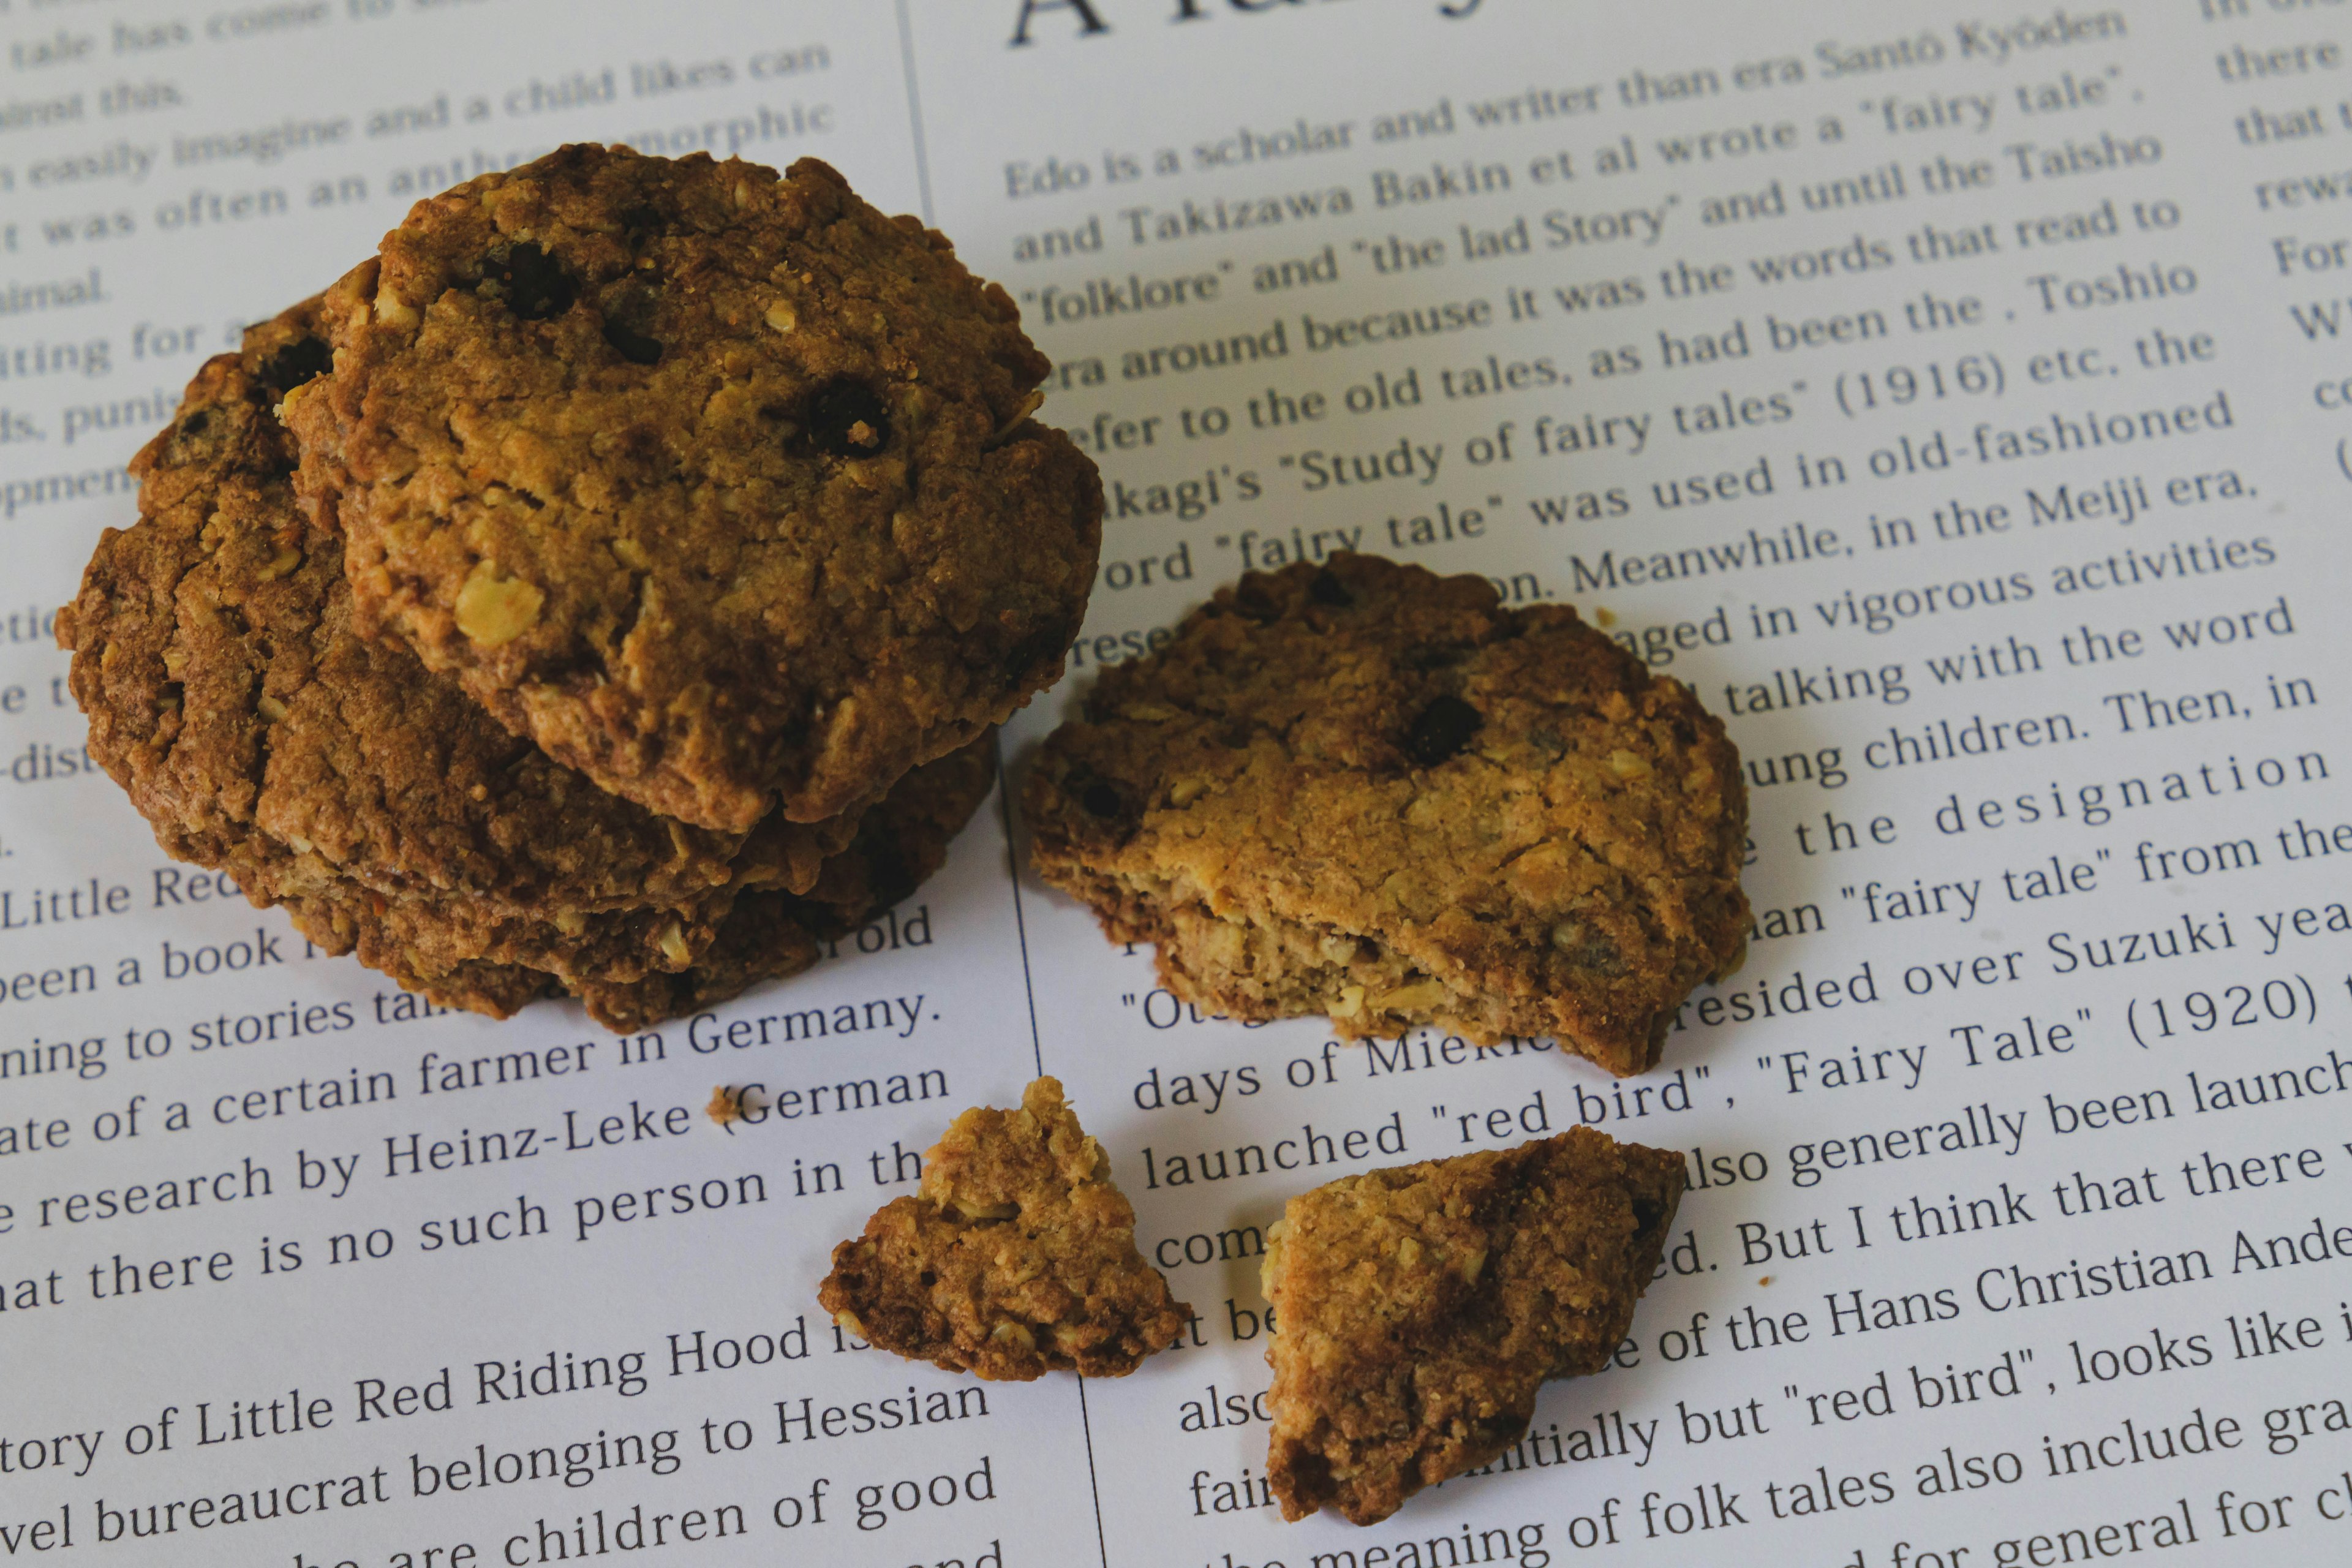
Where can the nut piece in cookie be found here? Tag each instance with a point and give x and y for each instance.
(1017, 1258)
(1419, 1309)
(1364, 790)
(720, 486)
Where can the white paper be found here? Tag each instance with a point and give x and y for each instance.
(1954, 398)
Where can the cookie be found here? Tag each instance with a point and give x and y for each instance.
(766, 935)
(1016, 1258)
(1418, 1309)
(719, 486)
(230, 695)
(1364, 790)
(340, 926)
(771, 934)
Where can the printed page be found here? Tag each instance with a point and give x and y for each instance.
(295, 1268)
(1953, 399)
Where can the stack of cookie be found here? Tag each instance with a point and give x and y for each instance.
(609, 587)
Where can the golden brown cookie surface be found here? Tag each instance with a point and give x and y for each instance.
(1017, 1256)
(718, 485)
(1363, 790)
(1418, 1309)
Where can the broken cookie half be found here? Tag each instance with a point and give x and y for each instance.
(1420, 1308)
(1017, 1256)
(1363, 790)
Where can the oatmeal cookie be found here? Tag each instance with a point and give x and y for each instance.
(766, 935)
(228, 693)
(1017, 1258)
(1419, 1309)
(770, 934)
(1364, 790)
(719, 486)
(340, 926)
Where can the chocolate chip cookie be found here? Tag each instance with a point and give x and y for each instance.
(229, 694)
(1364, 790)
(719, 486)
(1417, 1311)
(1016, 1258)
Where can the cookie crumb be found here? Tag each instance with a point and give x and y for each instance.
(729, 1106)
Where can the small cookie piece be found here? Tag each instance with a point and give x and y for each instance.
(230, 697)
(1364, 790)
(719, 486)
(1017, 1258)
(768, 934)
(1419, 1309)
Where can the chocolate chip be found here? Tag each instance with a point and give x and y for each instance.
(634, 347)
(533, 284)
(194, 425)
(845, 418)
(889, 878)
(1444, 728)
(1100, 799)
(1039, 647)
(299, 362)
(1327, 589)
(1252, 597)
